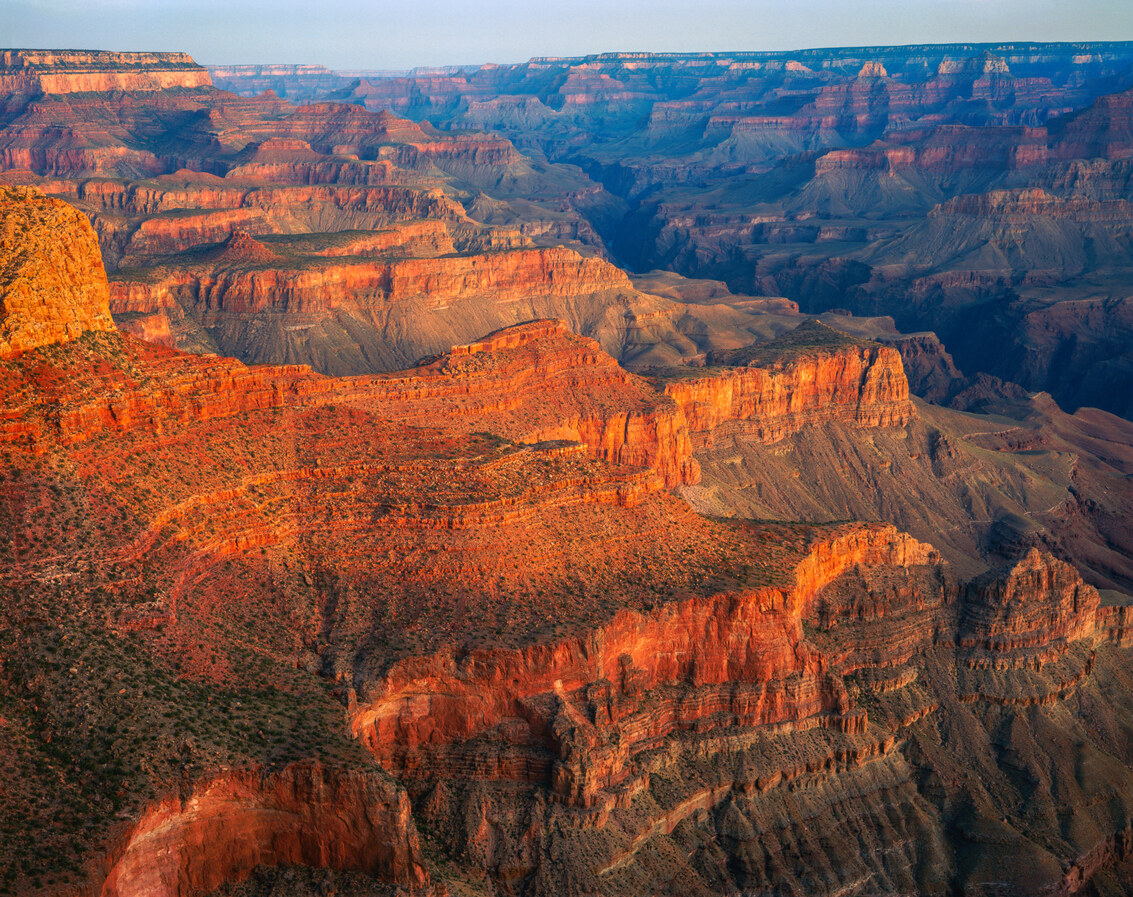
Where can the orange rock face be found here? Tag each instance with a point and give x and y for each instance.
(534, 383)
(362, 305)
(740, 656)
(863, 386)
(304, 815)
(540, 382)
(52, 284)
(153, 328)
(186, 210)
(505, 277)
(207, 390)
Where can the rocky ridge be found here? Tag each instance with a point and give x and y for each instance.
(302, 815)
(793, 386)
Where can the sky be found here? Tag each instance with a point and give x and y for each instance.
(400, 34)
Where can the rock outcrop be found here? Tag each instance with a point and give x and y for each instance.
(1040, 605)
(737, 658)
(74, 71)
(860, 385)
(539, 382)
(571, 673)
(361, 312)
(304, 815)
(52, 284)
(370, 285)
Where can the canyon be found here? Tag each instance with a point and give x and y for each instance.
(972, 190)
(371, 523)
(823, 176)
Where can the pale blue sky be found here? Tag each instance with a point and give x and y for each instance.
(394, 34)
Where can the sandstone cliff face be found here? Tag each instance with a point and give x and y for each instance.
(304, 815)
(354, 314)
(590, 721)
(506, 277)
(863, 386)
(740, 656)
(206, 390)
(52, 284)
(184, 190)
(152, 328)
(186, 210)
(1039, 605)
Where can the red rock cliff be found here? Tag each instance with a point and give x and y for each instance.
(305, 814)
(538, 382)
(52, 284)
(743, 652)
(505, 276)
(1028, 614)
(860, 385)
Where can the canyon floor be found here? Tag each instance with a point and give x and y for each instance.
(412, 505)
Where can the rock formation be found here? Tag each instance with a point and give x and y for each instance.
(919, 466)
(1039, 605)
(354, 311)
(504, 278)
(302, 815)
(790, 385)
(52, 284)
(75, 71)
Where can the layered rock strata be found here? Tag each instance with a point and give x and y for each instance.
(52, 284)
(73, 71)
(504, 277)
(864, 386)
(303, 815)
(589, 699)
